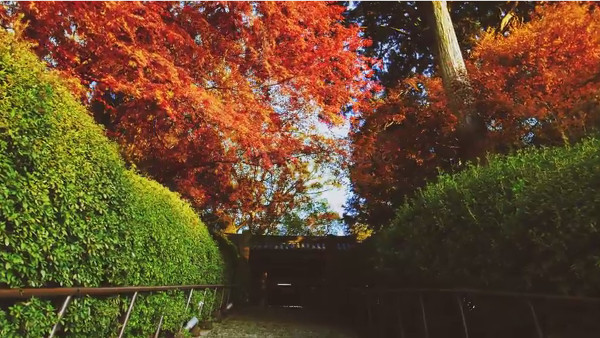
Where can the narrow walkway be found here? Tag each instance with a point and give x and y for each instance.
(278, 322)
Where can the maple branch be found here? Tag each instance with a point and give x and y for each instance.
(401, 31)
(317, 192)
(276, 83)
(391, 123)
(264, 85)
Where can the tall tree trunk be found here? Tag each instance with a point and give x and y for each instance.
(470, 129)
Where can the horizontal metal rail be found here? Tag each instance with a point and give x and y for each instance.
(99, 291)
(479, 292)
(20, 293)
(528, 298)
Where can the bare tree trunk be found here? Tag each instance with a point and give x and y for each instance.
(471, 129)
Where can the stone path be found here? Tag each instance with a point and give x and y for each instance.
(278, 322)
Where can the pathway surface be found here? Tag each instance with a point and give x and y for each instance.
(278, 322)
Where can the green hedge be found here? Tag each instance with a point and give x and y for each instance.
(526, 222)
(71, 214)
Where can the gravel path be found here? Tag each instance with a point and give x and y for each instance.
(278, 322)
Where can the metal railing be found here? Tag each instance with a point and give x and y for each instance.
(382, 310)
(25, 293)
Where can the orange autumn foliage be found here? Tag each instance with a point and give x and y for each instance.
(219, 101)
(538, 85)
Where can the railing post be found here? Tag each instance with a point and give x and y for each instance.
(462, 315)
(202, 304)
(424, 316)
(380, 320)
(227, 299)
(158, 328)
(61, 313)
(358, 307)
(222, 299)
(187, 304)
(369, 311)
(538, 328)
(400, 323)
(122, 332)
(212, 304)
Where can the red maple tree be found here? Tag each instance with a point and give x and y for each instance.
(219, 101)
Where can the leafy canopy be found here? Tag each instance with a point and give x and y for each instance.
(219, 101)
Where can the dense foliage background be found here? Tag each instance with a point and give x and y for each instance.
(72, 214)
(535, 82)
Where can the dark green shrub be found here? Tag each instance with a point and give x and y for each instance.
(71, 214)
(527, 222)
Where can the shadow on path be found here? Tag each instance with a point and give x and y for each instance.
(279, 322)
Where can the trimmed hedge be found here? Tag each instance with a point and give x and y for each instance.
(71, 214)
(526, 222)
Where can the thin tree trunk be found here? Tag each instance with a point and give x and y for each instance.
(470, 129)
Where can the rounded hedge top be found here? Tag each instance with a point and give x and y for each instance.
(71, 214)
(527, 222)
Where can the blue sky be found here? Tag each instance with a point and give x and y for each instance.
(336, 196)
